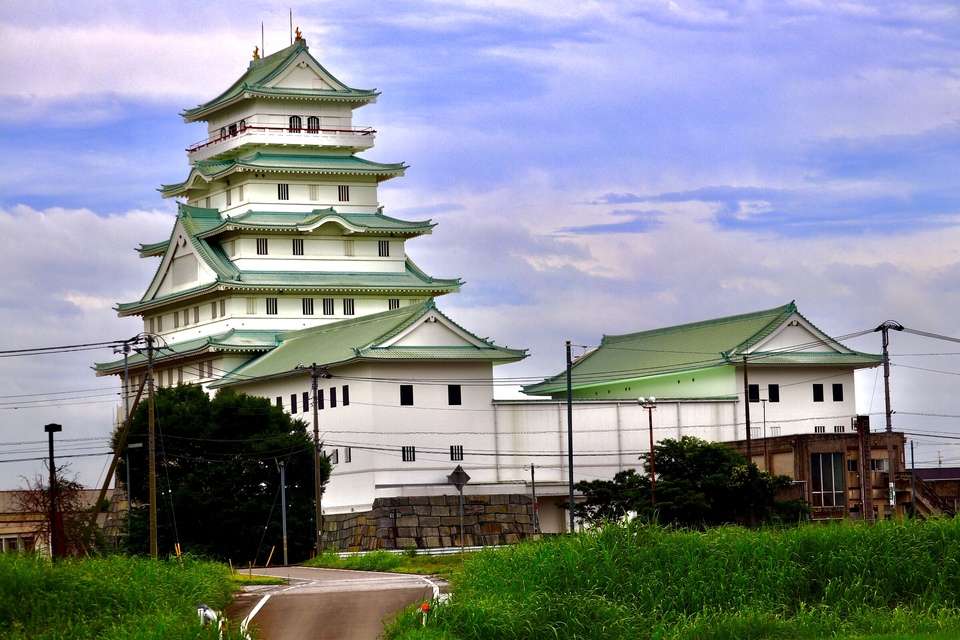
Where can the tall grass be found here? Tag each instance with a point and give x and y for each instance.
(112, 598)
(642, 581)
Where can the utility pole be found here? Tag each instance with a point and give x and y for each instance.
(317, 489)
(315, 372)
(283, 510)
(570, 432)
(533, 482)
(913, 481)
(746, 419)
(56, 535)
(884, 330)
(746, 409)
(151, 448)
(650, 406)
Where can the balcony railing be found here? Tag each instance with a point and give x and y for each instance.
(359, 133)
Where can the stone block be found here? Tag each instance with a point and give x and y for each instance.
(429, 521)
(406, 543)
(408, 521)
(510, 538)
(473, 509)
(421, 510)
(443, 511)
(433, 542)
(491, 527)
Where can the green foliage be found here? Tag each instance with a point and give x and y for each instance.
(117, 598)
(217, 477)
(76, 535)
(698, 484)
(894, 579)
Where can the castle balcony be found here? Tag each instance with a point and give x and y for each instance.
(235, 137)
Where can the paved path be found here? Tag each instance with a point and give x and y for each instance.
(329, 604)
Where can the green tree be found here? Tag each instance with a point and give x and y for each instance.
(698, 484)
(218, 479)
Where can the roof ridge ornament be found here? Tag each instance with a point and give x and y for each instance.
(256, 53)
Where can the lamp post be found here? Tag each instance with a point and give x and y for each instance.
(766, 463)
(55, 542)
(650, 405)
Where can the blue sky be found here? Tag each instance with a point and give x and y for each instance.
(594, 167)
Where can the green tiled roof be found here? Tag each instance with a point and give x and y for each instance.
(234, 340)
(202, 225)
(261, 73)
(209, 170)
(288, 221)
(361, 339)
(411, 281)
(692, 347)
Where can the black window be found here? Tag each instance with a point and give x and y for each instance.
(753, 392)
(453, 394)
(271, 306)
(827, 479)
(818, 393)
(393, 303)
(348, 306)
(261, 246)
(409, 454)
(838, 392)
(293, 403)
(313, 124)
(306, 401)
(773, 392)
(280, 402)
(343, 193)
(295, 123)
(298, 246)
(283, 191)
(308, 306)
(345, 396)
(347, 455)
(333, 397)
(456, 452)
(319, 399)
(406, 395)
(328, 306)
(383, 248)
(334, 456)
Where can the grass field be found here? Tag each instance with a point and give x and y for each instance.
(897, 579)
(444, 566)
(114, 598)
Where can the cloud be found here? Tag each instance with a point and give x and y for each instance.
(63, 272)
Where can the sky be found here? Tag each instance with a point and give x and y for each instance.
(593, 168)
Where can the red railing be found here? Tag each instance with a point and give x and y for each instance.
(356, 131)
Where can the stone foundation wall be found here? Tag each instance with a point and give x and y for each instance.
(425, 522)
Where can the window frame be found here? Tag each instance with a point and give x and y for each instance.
(454, 395)
(822, 486)
(818, 392)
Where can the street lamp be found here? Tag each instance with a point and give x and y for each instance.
(650, 405)
(55, 536)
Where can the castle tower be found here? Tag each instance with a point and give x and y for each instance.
(278, 226)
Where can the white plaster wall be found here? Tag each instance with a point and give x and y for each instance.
(797, 412)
